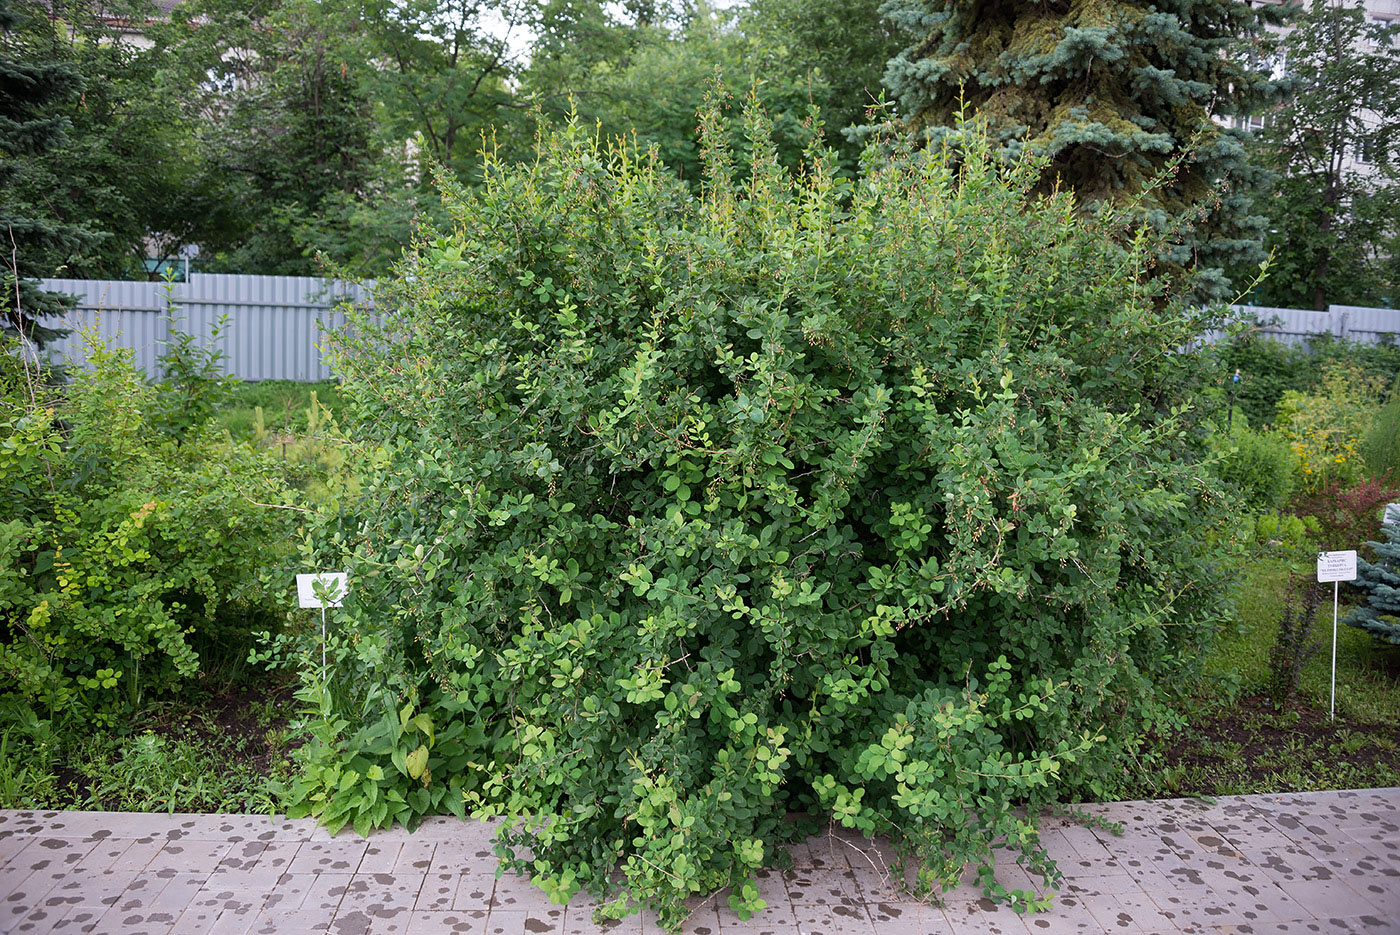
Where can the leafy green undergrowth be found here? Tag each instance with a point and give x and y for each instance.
(223, 749)
(1239, 741)
(284, 405)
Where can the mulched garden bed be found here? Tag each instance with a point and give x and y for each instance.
(1249, 746)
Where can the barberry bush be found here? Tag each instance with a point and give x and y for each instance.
(879, 501)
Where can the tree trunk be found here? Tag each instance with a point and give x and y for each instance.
(1330, 199)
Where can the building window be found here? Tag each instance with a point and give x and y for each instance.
(1370, 151)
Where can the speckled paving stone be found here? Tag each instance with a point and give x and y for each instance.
(1070, 915)
(341, 855)
(379, 893)
(906, 918)
(278, 922)
(82, 919)
(417, 856)
(983, 917)
(1129, 913)
(1283, 865)
(513, 891)
(580, 922)
(444, 923)
(849, 918)
(821, 886)
(390, 922)
(474, 891)
(195, 921)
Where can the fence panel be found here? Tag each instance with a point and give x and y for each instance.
(275, 323)
(273, 328)
(1358, 323)
(1344, 322)
(1291, 325)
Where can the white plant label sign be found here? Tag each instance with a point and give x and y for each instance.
(334, 584)
(1336, 566)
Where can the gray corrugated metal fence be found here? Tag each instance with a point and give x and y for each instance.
(273, 330)
(1348, 322)
(275, 322)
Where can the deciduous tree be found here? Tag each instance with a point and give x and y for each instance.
(285, 122)
(1334, 204)
(846, 42)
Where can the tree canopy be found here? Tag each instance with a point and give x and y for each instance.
(285, 134)
(1333, 203)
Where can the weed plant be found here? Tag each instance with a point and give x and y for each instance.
(195, 753)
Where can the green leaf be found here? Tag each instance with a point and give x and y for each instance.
(416, 762)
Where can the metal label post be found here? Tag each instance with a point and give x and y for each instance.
(324, 589)
(1335, 567)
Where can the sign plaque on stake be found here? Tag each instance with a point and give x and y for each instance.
(333, 584)
(322, 589)
(1335, 567)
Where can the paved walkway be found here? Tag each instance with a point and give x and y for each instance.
(1314, 863)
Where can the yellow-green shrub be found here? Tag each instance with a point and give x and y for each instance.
(130, 548)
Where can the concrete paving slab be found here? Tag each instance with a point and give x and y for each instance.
(474, 892)
(421, 922)
(1283, 865)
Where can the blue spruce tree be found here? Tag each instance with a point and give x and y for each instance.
(1380, 580)
(1111, 92)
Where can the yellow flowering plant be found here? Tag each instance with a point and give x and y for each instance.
(1324, 427)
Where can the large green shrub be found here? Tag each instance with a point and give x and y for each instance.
(130, 549)
(875, 501)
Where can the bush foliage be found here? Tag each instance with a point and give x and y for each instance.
(1269, 369)
(1261, 466)
(1326, 426)
(133, 543)
(692, 512)
(1347, 515)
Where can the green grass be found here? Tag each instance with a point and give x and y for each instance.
(1366, 682)
(1243, 648)
(284, 404)
(1239, 742)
